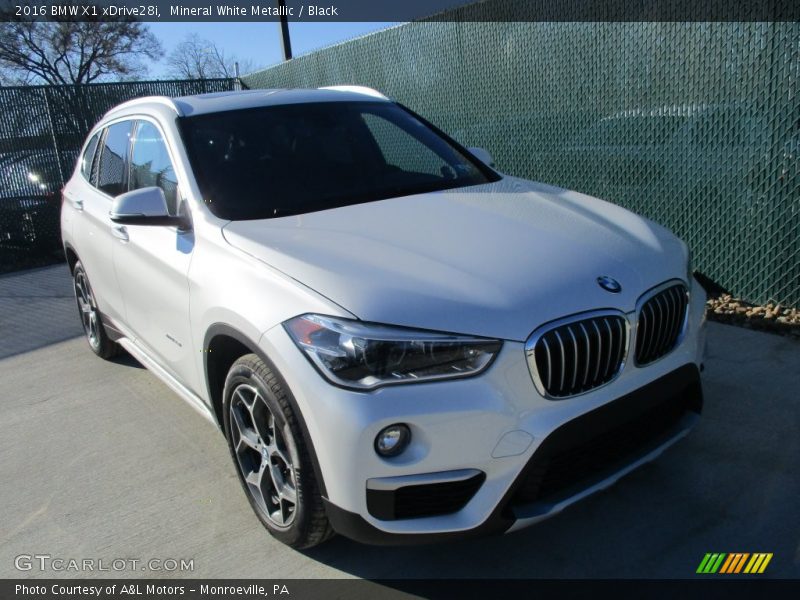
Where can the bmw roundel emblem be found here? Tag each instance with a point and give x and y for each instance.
(609, 284)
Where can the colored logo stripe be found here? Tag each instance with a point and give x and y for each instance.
(734, 563)
(758, 563)
(724, 563)
(711, 562)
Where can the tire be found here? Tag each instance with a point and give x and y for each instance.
(271, 455)
(89, 314)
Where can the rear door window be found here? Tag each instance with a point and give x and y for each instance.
(112, 166)
(88, 156)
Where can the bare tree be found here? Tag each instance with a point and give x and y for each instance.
(64, 55)
(68, 52)
(199, 58)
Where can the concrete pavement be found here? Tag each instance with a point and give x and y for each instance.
(100, 460)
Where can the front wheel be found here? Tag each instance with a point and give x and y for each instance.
(93, 328)
(271, 456)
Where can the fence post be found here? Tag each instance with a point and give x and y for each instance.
(53, 134)
(237, 84)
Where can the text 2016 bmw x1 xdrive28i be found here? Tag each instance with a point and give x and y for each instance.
(399, 343)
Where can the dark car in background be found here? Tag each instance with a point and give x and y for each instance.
(30, 204)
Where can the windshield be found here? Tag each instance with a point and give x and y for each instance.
(298, 158)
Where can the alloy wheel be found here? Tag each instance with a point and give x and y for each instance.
(264, 453)
(87, 308)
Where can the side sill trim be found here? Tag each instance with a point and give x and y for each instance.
(187, 395)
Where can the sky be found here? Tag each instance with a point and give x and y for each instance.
(259, 42)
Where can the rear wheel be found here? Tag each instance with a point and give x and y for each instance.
(93, 328)
(271, 456)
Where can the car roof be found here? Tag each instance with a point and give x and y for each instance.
(185, 106)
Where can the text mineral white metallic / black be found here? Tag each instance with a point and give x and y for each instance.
(400, 343)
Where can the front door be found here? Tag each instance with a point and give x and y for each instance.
(152, 262)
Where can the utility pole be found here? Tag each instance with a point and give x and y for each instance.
(287, 44)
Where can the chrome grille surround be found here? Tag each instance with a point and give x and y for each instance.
(662, 314)
(579, 353)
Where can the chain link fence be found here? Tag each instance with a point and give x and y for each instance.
(41, 133)
(695, 125)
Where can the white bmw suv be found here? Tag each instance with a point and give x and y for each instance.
(400, 343)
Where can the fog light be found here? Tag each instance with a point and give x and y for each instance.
(392, 440)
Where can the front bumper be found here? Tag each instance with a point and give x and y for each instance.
(497, 425)
(571, 462)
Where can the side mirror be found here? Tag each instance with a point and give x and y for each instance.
(145, 206)
(482, 155)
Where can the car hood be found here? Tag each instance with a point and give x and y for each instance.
(493, 260)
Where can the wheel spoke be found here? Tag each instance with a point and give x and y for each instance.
(249, 439)
(269, 496)
(282, 476)
(239, 393)
(285, 511)
(93, 324)
(288, 493)
(276, 478)
(278, 516)
(246, 435)
(253, 478)
(275, 451)
(81, 293)
(262, 418)
(86, 296)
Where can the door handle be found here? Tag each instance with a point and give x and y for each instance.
(78, 204)
(120, 232)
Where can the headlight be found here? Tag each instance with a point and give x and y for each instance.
(365, 356)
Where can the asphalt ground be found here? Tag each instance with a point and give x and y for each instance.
(100, 460)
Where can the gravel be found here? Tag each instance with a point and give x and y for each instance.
(769, 317)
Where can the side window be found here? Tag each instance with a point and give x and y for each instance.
(111, 166)
(151, 166)
(88, 156)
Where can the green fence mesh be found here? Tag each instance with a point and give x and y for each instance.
(696, 126)
(41, 133)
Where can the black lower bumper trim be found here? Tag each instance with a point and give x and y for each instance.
(426, 500)
(355, 527)
(602, 442)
